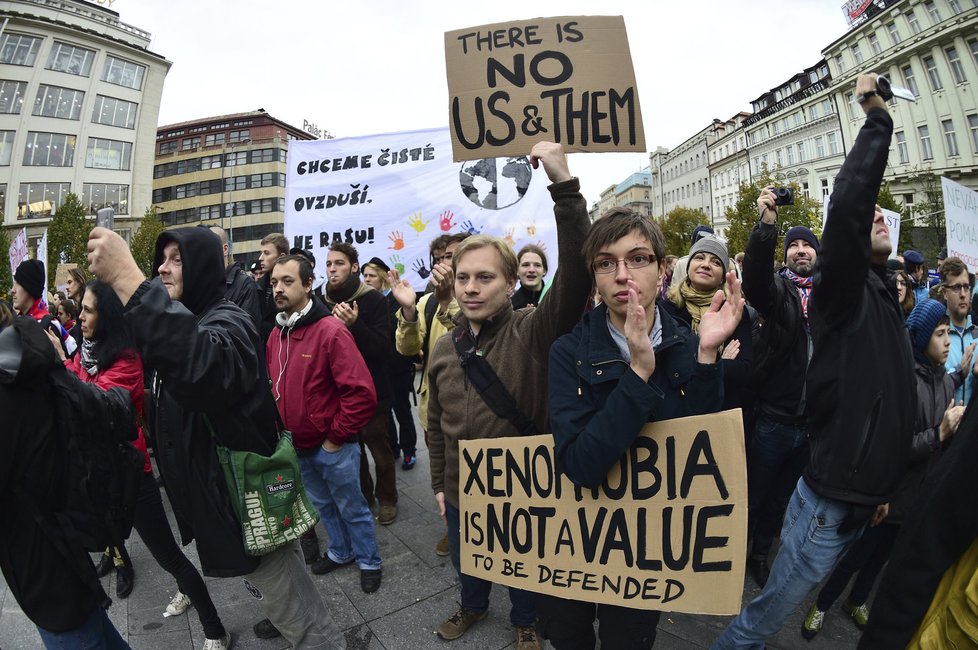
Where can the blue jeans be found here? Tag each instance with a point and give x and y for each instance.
(97, 633)
(475, 591)
(332, 481)
(778, 455)
(810, 546)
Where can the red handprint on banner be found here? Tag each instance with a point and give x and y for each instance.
(445, 221)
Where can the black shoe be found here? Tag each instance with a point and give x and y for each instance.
(124, 580)
(369, 580)
(105, 566)
(759, 570)
(310, 546)
(324, 565)
(265, 630)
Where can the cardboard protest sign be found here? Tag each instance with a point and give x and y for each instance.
(390, 195)
(667, 529)
(566, 79)
(961, 216)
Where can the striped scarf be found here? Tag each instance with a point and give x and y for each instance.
(804, 286)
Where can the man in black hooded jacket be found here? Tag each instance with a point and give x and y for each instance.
(203, 352)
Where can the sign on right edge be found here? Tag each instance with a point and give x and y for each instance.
(961, 216)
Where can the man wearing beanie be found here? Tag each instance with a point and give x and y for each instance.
(778, 444)
(935, 425)
(859, 392)
(27, 294)
(917, 270)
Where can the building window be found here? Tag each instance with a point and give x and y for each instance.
(235, 183)
(6, 148)
(833, 140)
(49, 149)
(901, 140)
(108, 154)
(825, 187)
(70, 59)
(189, 144)
(909, 80)
(840, 64)
(209, 212)
(168, 147)
(40, 199)
(236, 137)
(935, 15)
(973, 45)
(18, 49)
(874, 43)
(857, 54)
(790, 154)
(894, 33)
(955, 6)
(953, 62)
(115, 112)
(927, 152)
(806, 189)
(819, 147)
(801, 152)
(123, 73)
(105, 195)
(815, 111)
(210, 162)
(779, 157)
(932, 75)
(853, 106)
(950, 141)
(213, 139)
(912, 21)
(63, 103)
(12, 96)
(236, 158)
(973, 127)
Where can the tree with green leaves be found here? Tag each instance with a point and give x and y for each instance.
(143, 244)
(743, 215)
(678, 226)
(932, 236)
(6, 277)
(68, 236)
(887, 201)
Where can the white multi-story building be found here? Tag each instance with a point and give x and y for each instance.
(634, 193)
(794, 134)
(930, 47)
(681, 176)
(79, 101)
(729, 167)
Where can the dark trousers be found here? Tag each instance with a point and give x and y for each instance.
(403, 435)
(868, 556)
(374, 437)
(475, 591)
(154, 530)
(778, 455)
(569, 624)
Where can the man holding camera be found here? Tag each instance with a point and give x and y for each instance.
(860, 420)
(779, 445)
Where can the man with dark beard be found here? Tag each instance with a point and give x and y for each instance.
(778, 448)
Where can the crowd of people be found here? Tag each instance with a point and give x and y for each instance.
(853, 373)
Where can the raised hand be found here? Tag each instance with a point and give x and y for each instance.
(397, 237)
(443, 279)
(110, 260)
(720, 321)
(553, 158)
(637, 335)
(397, 263)
(470, 228)
(445, 221)
(420, 268)
(416, 223)
(347, 312)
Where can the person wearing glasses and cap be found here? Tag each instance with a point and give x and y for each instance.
(956, 294)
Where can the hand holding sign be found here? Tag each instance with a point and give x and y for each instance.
(553, 158)
(720, 321)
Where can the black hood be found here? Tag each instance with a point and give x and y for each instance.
(203, 265)
(26, 353)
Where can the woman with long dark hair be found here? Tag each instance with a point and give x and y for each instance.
(108, 359)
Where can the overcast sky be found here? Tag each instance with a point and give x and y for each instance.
(377, 67)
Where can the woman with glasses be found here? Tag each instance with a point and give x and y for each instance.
(904, 296)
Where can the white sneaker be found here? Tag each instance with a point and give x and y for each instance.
(178, 604)
(219, 644)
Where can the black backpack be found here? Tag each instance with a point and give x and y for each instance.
(102, 471)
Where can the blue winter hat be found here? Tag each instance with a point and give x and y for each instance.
(923, 320)
(913, 257)
(699, 231)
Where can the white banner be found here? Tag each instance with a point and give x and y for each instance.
(42, 253)
(961, 216)
(18, 250)
(390, 195)
(892, 223)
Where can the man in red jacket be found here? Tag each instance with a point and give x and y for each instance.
(325, 394)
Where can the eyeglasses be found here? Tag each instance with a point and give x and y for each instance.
(610, 264)
(958, 288)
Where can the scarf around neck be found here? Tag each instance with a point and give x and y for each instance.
(804, 287)
(88, 359)
(352, 289)
(696, 302)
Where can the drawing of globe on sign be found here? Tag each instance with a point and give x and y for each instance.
(495, 183)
